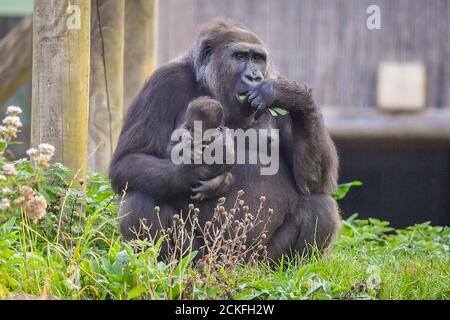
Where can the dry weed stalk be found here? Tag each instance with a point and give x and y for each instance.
(231, 237)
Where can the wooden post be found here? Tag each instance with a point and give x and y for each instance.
(60, 93)
(15, 58)
(106, 85)
(140, 45)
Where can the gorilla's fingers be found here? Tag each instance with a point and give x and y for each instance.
(252, 95)
(197, 197)
(260, 111)
(255, 103)
(202, 188)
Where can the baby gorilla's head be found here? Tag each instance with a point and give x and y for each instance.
(206, 110)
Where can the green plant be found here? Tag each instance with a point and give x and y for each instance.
(66, 245)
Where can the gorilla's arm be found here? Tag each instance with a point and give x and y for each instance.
(305, 142)
(139, 161)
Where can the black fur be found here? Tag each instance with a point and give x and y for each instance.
(229, 59)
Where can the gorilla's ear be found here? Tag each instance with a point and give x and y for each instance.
(206, 54)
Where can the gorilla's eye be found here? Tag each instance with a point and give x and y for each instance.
(207, 51)
(259, 57)
(240, 55)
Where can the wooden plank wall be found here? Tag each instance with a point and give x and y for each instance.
(325, 43)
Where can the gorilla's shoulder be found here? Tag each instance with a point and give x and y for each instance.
(174, 76)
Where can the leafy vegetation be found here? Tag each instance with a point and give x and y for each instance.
(59, 238)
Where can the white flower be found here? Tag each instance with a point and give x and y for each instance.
(13, 111)
(9, 170)
(32, 152)
(46, 149)
(13, 121)
(8, 132)
(4, 204)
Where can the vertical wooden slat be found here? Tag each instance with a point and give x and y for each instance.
(140, 45)
(15, 57)
(60, 94)
(107, 81)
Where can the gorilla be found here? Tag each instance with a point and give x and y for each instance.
(209, 113)
(227, 61)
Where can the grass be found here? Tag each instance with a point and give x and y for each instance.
(59, 239)
(75, 252)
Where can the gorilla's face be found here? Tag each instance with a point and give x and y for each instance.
(230, 65)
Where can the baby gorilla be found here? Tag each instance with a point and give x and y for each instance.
(203, 114)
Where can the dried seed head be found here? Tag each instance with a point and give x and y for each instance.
(176, 217)
(157, 209)
(232, 211)
(221, 209)
(27, 192)
(240, 193)
(35, 208)
(241, 202)
(20, 200)
(270, 211)
(208, 224)
(191, 207)
(263, 236)
(262, 199)
(245, 208)
(221, 201)
(196, 210)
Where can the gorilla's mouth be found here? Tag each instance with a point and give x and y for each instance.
(242, 97)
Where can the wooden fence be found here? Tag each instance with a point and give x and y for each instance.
(326, 43)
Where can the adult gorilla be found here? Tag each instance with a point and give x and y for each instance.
(226, 61)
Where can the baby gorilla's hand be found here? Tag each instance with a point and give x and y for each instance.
(214, 187)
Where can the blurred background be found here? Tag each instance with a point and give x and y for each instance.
(380, 70)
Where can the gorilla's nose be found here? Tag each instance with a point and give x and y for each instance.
(252, 78)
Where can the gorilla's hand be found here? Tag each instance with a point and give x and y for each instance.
(214, 187)
(281, 93)
(262, 97)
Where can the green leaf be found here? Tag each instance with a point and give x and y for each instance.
(280, 111)
(344, 188)
(273, 112)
